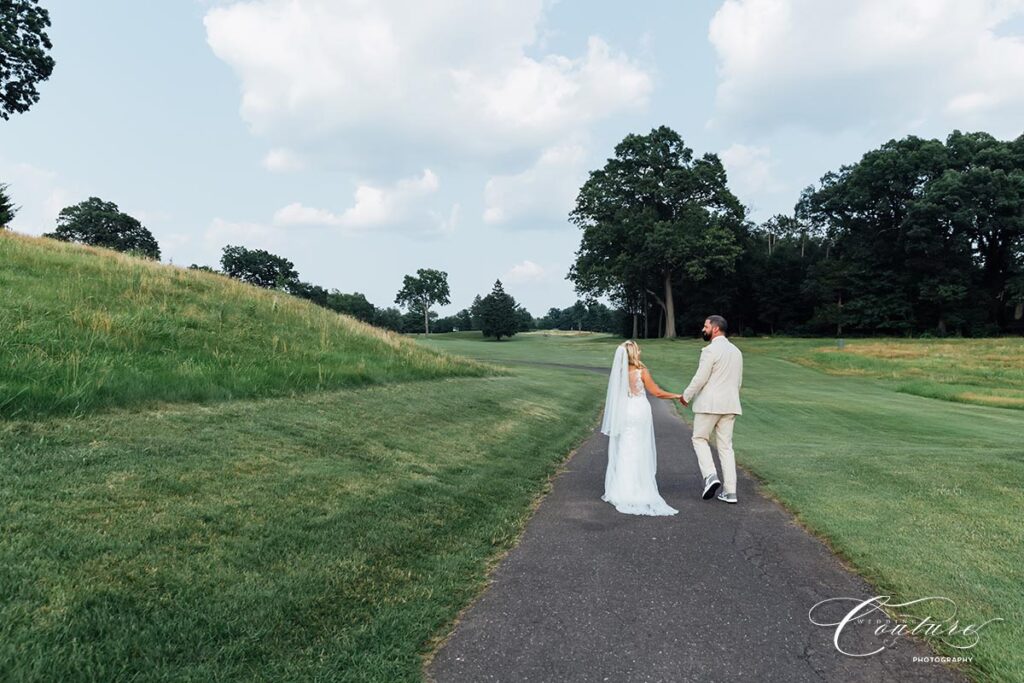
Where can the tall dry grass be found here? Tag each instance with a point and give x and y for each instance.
(85, 329)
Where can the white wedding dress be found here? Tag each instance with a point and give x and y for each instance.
(629, 481)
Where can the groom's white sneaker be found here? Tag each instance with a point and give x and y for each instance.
(711, 485)
(727, 497)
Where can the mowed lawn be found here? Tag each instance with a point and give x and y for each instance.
(979, 371)
(331, 536)
(923, 497)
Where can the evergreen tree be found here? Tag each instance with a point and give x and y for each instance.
(498, 315)
(7, 207)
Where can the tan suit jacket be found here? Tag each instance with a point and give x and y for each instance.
(715, 388)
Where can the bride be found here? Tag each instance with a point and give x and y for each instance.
(629, 482)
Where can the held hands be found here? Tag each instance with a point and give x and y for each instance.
(681, 399)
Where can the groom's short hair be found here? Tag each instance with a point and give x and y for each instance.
(719, 322)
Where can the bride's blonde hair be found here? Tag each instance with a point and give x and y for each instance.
(633, 353)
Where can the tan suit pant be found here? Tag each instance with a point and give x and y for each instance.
(721, 425)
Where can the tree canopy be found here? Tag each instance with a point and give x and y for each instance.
(24, 58)
(420, 292)
(260, 268)
(355, 305)
(655, 219)
(922, 235)
(102, 224)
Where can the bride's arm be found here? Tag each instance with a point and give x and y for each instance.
(653, 388)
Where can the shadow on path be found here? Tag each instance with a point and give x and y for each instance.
(716, 593)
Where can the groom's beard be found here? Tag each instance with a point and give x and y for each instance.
(707, 337)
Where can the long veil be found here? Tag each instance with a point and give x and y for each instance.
(615, 399)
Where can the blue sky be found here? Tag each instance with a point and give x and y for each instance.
(366, 140)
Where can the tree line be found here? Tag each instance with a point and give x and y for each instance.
(918, 237)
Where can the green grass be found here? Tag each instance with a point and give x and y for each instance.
(923, 497)
(581, 349)
(331, 536)
(978, 371)
(987, 372)
(202, 481)
(86, 329)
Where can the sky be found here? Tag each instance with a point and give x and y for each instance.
(364, 140)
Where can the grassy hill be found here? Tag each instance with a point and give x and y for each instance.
(87, 328)
(327, 524)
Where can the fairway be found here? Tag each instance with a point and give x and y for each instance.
(923, 497)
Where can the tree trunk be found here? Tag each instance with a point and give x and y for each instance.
(426, 319)
(661, 319)
(670, 309)
(635, 317)
(1018, 312)
(839, 317)
(645, 316)
(664, 309)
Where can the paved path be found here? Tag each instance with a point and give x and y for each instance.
(716, 593)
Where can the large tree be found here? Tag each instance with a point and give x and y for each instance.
(653, 218)
(102, 224)
(7, 208)
(24, 61)
(260, 268)
(420, 292)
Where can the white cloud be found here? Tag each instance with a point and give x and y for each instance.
(542, 195)
(174, 242)
(283, 160)
(220, 233)
(750, 169)
(830, 66)
(375, 206)
(527, 271)
(452, 74)
(298, 214)
(38, 193)
(252, 235)
(445, 225)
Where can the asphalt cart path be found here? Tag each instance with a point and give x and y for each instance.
(718, 592)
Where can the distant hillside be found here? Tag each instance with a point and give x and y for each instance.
(83, 329)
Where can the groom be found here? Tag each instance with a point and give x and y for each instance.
(717, 389)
